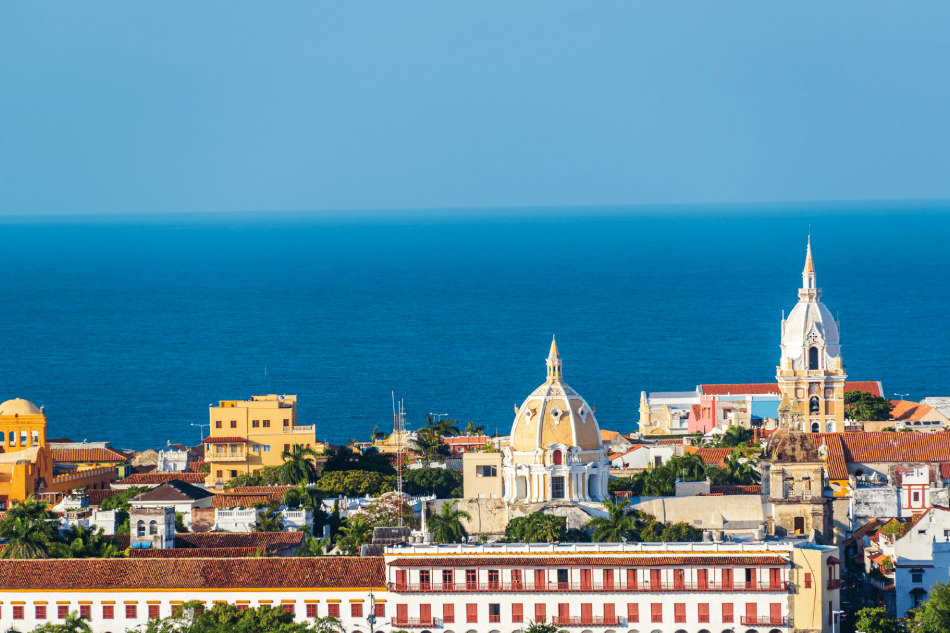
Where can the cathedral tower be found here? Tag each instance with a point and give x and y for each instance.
(811, 373)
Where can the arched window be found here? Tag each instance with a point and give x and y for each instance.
(806, 483)
(813, 358)
(140, 528)
(12, 438)
(153, 527)
(814, 406)
(815, 427)
(558, 460)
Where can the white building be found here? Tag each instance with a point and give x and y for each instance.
(641, 456)
(555, 450)
(180, 495)
(172, 459)
(921, 558)
(243, 519)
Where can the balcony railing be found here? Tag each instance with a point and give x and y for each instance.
(227, 457)
(834, 583)
(765, 621)
(587, 620)
(581, 587)
(415, 623)
(300, 428)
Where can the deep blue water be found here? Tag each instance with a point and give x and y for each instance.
(127, 327)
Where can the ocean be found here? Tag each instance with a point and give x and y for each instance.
(126, 327)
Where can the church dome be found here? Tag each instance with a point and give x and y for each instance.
(554, 414)
(19, 406)
(810, 323)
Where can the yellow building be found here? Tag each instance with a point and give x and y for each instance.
(482, 476)
(811, 372)
(247, 435)
(26, 464)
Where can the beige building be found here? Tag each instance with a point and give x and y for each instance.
(811, 372)
(247, 435)
(481, 476)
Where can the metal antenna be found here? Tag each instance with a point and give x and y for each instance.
(399, 420)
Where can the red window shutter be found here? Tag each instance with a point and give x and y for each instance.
(153, 611)
(108, 612)
(402, 612)
(40, 610)
(807, 581)
(517, 612)
(679, 612)
(425, 612)
(751, 611)
(563, 611)
(130, 611)
(333, 609)
(752, 579)
(608, 579)
(610, 612)
(540, 613)
(516, 578)
(727, 579)
(539, 579)
(586, 578)
(311, 610)
(727, 616)
(471, 611)
(633, 612)
(289, 607)
(448, 613)
(18, 612)
(656, 612)
(775, 613)
(587, 612)
(356, 609)
(447, 577)
(775, 578)
(379, 610)
(631, 579)
(702, 577)
(62, 611)
(654, 579)
(703, 612)
(401, 578)
(85, 610)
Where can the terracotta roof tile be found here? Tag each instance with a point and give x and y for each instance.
(736, 490)
(175, 490)
(243, 501)
(766, 388)
(268, 540)
(835, 460)
(890, 446)
(153, 478)
(207, 552)
(258, 490)
(717, 456)
(606, 436)
(219, 440)
(606, 561)
(96, 497)
(907, 411)
(67, 455)
(97, 574)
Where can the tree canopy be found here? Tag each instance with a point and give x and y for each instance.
(225, 618)
(537, 527)
(444, 483)
(625, 523)
(355, 483)
(932, 616)
(876, 620)
(446, 526)
(865, 407)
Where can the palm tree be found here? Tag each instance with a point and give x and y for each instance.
(299, 465)
(689, 467)
(736, 436)
(355, 533)
(302, 496)
(473, 429)
(735, 473)
(313, 547)
(446, 526)
(427, 443)
(617, 525)
(28, 529)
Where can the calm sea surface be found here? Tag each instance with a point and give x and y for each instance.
(126, 328)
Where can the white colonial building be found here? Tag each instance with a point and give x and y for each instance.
(556, 450)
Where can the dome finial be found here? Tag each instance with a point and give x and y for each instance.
(554, 361)
(809, 279)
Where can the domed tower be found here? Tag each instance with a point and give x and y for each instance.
(811, 372)
(555, 451)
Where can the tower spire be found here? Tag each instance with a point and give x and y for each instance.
(809, 279)
(554, 361)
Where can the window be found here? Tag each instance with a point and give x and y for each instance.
(486, 471)
(727, 579)
(587, 612)
(219, 449)
(62, 611)
(562, 579)
(140, 528)
(471, 579)
(540, 582)
(656, 612)
(702, 579)
(494, 613)
(402, 612)
(493, 578)
(655, 579)
(813, 358)
(831, 610)
(633, 612)
(233, 424)
(266, 424)
(814, 406)
(471, 613)
(751, 612)
(517, 612)
(356, 609)
(17, 608)
(775, 613)
(153, 611)
(220, 474)
(85, 610)
(609, 579)
(917, 498)
(727, 616)
(379, 609)
(750, 578)
(425, 613)
(425, 579)
(130, 611)
(108, 612)
(312, 611)
(557, 487)
(257, 448)
(917, 578)
(586, 579)
(286, 447)
(563, 612)
(40, 610)
(286, 422)
(266, 448)
(631, 579)
(610, 612)
(807, 581)
(255, 424)
(153, 527)
(217, 424)
(447, 579)
(703, 615)
(333, 609)
(679, 612)
(540, 613)
(516, 579)
(233, 474)
(448, 613)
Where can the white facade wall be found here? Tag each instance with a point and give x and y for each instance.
(644, 457)
(915, 563)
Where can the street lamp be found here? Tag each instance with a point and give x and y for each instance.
(371, 617)
(901, 395)
(834, 620)
(201, 426)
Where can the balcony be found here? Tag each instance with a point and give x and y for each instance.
(580, 587)
(221, 458)
(415, 623)
(765, 621)
(834, 583)
(310, 429)
(585, 620)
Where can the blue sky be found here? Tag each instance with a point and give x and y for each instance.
(247, 106)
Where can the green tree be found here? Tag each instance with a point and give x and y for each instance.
(355, 533)
(681, 533)
(313, 546)
(537, 527)
(78, 542)
(225, 618)
(617, 525)
(304, 496)
(269, 519)
(384, 511)
(355, 483)
(541, 627)
(428, 444)
(876, 620)
(735, 436)
(299, 465)
(443, 428)
(444, 483)
(29, 529)
(474, 429)
(735, 472)
(865, 407)
(180, 526)
(120, 503)
(74, 623)
(446, 526)
(932, 616)
(268, 476)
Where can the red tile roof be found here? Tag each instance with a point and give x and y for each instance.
(888, 446)
(908, 411)
(606, 436)
(258, 490)
(96, 497)
(562, 561)
(122, 574)
(717, 456)
(207, 552)
(153, 478)
(243, 501)
(735, 490)
(766, 388)
(835, 460)
(68, 455)
(945, 471)
(176, 491)
(268, 540)
(219, 440)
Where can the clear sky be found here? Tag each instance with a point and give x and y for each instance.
(230, 105)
